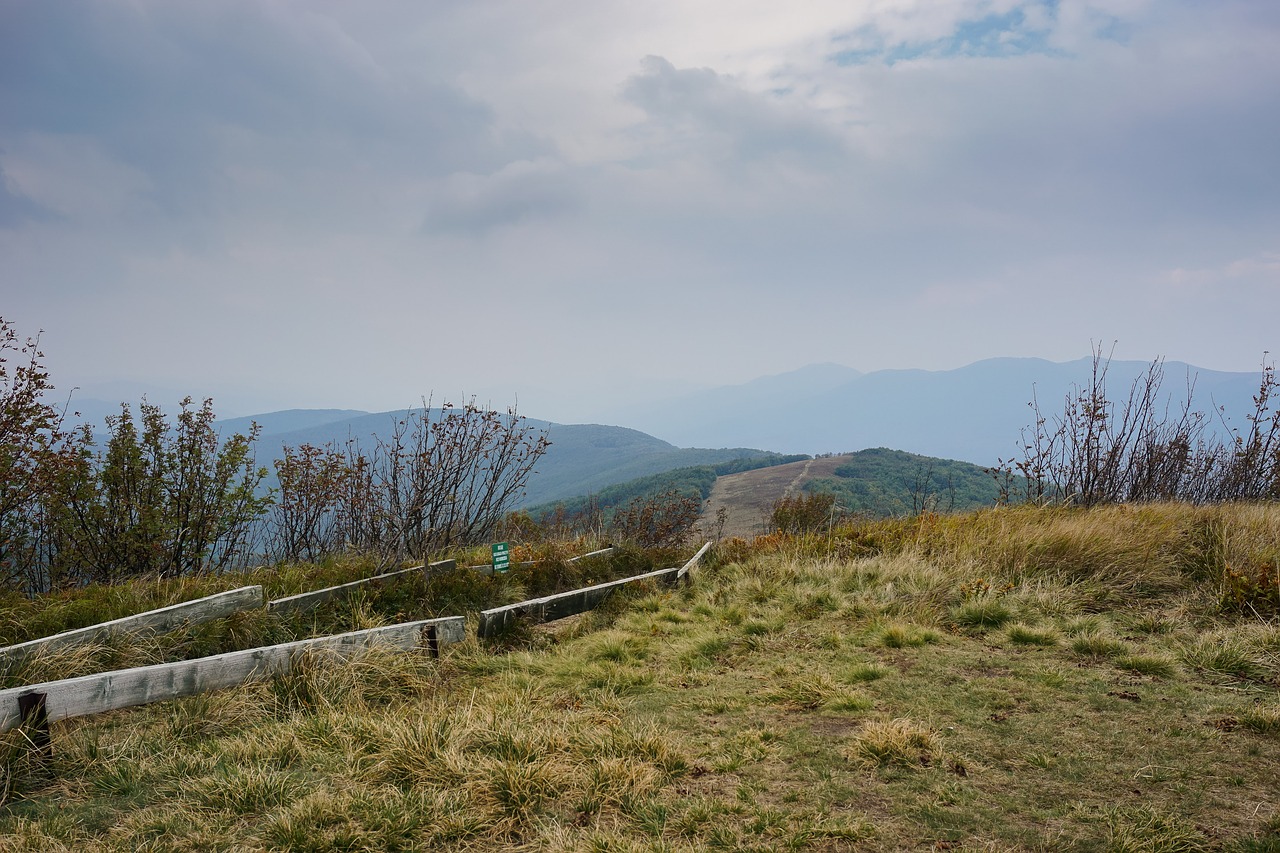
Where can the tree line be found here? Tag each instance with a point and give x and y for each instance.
(156, 496)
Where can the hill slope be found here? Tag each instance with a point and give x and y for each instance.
(582, 458)
(876, 482)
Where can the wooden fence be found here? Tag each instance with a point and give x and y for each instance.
(488, 570)
(200, 610)
(309, 600)
(153, 621)
(558, 606)
(693, 561)
(93, 694)
(40, 704)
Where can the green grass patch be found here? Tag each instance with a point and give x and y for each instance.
(981, 614)
(1156, 666)
(1026, 635)
(900, 636)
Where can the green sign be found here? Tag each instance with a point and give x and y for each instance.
(501, 556)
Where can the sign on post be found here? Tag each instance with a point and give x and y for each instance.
(501, 556)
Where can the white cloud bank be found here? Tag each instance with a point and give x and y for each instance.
(302, 203)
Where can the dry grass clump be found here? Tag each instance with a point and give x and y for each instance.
(1155, 666)
(1096, 644)
(899, 742)
(1263, 719)
(1234, 653)
(981, 614)
(811, 691)
(899, 635)
(1027, 635)
(1143, 829)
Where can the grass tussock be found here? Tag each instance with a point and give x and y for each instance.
(899, 742)
(1027, 635)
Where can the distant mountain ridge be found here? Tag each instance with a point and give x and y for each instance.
(974, 413)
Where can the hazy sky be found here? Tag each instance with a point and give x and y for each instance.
(308, 203)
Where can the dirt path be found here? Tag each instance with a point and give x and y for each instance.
(795, 484)
(748, 498)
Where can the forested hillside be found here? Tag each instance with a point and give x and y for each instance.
(883, 482)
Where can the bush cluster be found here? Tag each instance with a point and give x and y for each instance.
(155, 497)
(1100, 450)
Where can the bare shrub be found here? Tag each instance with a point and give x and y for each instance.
(309, 514)
(1142, 448)
(661, 521)
(441, 477)
(804, 513)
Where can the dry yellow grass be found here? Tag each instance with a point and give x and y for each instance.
(860, 691)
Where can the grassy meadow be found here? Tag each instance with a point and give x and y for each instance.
(1012, 679)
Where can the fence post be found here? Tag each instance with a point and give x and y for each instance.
(35, 716)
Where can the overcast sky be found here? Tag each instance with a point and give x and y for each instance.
(336, 204)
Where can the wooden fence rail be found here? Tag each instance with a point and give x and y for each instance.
(605, 550)
(309, 600)
(50, 701)
(558, 606)
(488, 570)
(93, 694)
(693, 561)
(157, 621)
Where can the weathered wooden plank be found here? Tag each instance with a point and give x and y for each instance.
(314, 598)
(156, 621)
(124, 688)
(558, 606)
(488, 570)
(604, 550)
(693, 561)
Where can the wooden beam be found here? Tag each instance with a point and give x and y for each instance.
(604, 550)
(488, 570)
(153, 621)
(693, 561)
(124, 688)
(552, 607)
(313, 599)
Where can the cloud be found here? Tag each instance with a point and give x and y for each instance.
(73, 177)
(696, 110)
(1263, 268)
(196, 98)
(768, 184)
(518, 192)
(16, 208)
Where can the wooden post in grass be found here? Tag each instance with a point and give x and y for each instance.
(33, 713)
